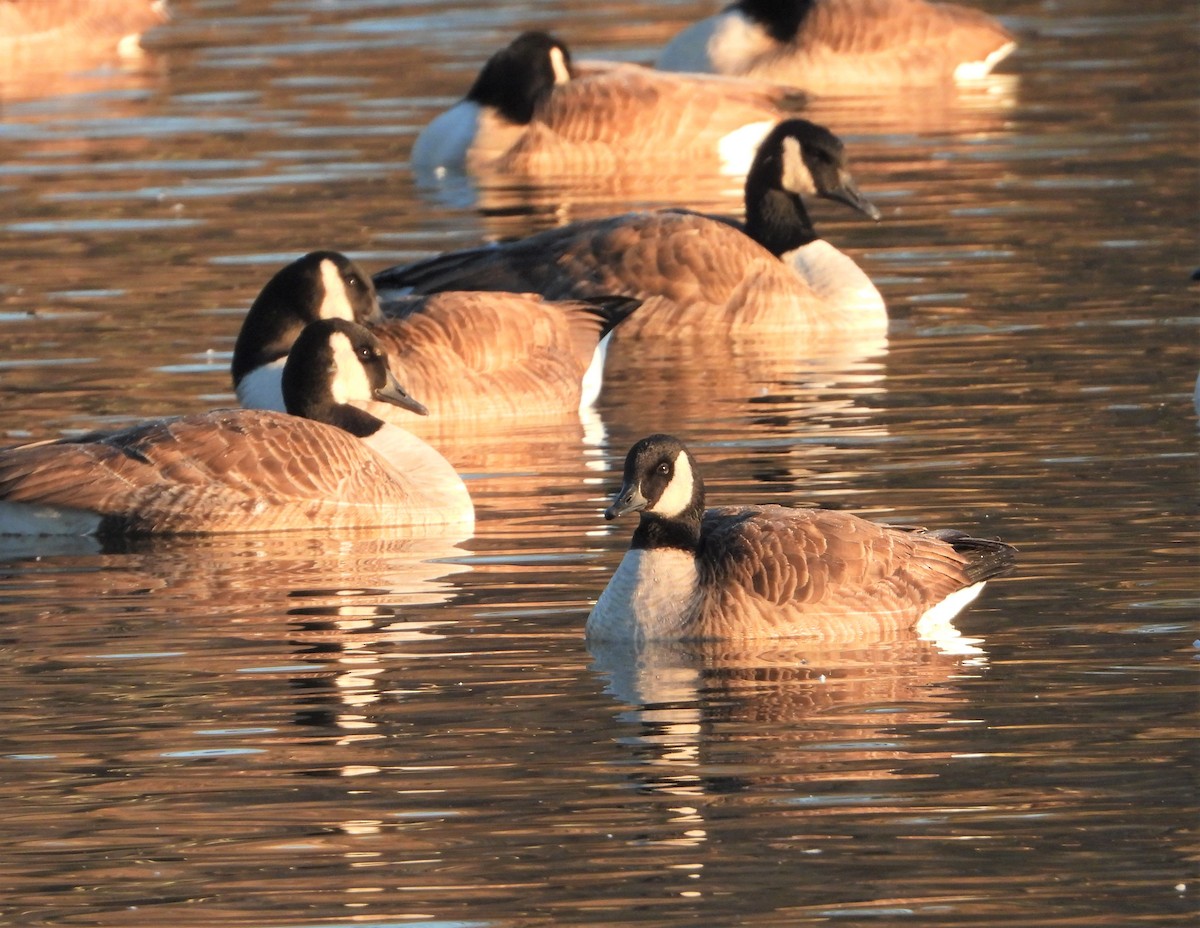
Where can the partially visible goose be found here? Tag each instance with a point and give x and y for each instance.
(38, 26)
(532, 111)
(696, 274)
(476, 355)
(831, 46)
(770, 571)
(325, 465)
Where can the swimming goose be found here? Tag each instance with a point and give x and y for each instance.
(831, 46)
(696, 274)
(477, 355)
(324, 464)
(532, 111)
(771, 571)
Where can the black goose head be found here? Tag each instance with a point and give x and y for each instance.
(516, 78)
(661, 482)
(334, 363)
(796, 158)
(320, 285)
(781, 19)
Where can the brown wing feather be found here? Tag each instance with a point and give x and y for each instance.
(698, 270)
(790, 571)
(475, 352)
(626, 115)
(223, 471)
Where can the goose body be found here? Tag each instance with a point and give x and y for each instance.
(467, 355)
(694, 273)
(832, 46)
(531, 111)
(771, 571)
(326, 464)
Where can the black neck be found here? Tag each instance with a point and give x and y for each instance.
(264, 341)
(681, 532)
(780, 18)
(777, 219)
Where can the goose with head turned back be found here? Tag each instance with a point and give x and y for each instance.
(467, 355)
(841, 46)
(532, 111)
(324, 464)
(695, 274)
(771, 571)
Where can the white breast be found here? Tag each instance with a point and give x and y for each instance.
(262, 388)
(650, 596)
(837, 280)
(444, 143)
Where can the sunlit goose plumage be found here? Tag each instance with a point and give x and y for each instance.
(695, 274)
(467, 355)
(831, 46)
(771, 571)
(531, 111)
(324, 464)
(37, 26)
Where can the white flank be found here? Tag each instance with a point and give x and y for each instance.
(262, 388)
(737, 149)
(593, 377)
(948, 608)
(29, 519)
(678, 494)
(444, 143)
(349, 380)
(975, 70)
(688, 51)
(648, 597)
(336, 302)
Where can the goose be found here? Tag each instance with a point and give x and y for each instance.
(744, 572)
(467, 355)
(695, 274)
(831, 46)
(323, 464)
(29, 27)
(532, 111)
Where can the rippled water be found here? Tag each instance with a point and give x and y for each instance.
(308, 731)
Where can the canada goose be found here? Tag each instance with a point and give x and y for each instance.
(34, 25)
(831, 46)
(696, 274)
(326, 464)
(770, 571)
(532, 111)
(476, 355)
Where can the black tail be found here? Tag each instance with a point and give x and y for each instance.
(612, 309)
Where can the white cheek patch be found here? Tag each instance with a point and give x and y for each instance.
(796, 176)
(336, 304)
(558, 63)
(349, 378)
(678, 494)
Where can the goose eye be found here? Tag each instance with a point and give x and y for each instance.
(665, 469)
(366, 353)
(352, 280)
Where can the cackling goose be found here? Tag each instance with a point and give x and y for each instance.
(771, 571)
(696, 274)
(531, 111)
(832, 46)
(324, 464)
(468, 355)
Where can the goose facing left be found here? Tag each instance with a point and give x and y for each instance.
(743, 572)
(533, 111)
(324, 464)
